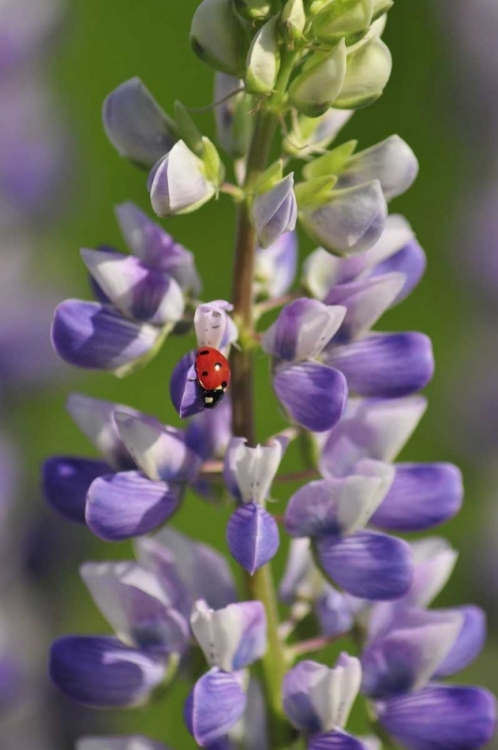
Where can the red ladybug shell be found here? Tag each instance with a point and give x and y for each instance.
(212, 369)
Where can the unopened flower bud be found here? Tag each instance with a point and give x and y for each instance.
(275, 212)
(341, 18)
(368, 71)
(293, 20)
(233, 120)
(179, 183)
(317, 87)
(217, 37)
(263, 59)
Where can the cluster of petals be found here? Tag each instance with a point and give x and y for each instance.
(139, 482)
(140, 298)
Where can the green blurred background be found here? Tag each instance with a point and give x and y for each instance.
(105, 43)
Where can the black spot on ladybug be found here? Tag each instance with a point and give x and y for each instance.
(205, 374)
(205, 351)
(224, 384)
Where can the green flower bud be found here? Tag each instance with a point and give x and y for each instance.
(317, 87)
(293, 21)
(315, 192)
(273, 174)
(380, 7)
(218, 38)
(254, 10)
(330, 163)
(312, 135)
(263, 59)
(233, 115)
(341, 18)
(368, 71)
(187, 129)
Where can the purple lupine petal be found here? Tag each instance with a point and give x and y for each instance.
(143, 293)
(335, 741)
(441, 716)
(232, 637)
(275, 212)
(371, 428)
(129, 742)
(184, 389)
(252, 536)
(97, 337)
(388, 365)
(322, 271)
(214, 706)
(156, 248)
(275, 267)
(100, 671)
(336, 507)
(367, 564)
(213, 327)
(125, 505)
(136, 606)
(318, 699)
(407, 656)
(313, 394)
(365, 301)
(95, 418)
(352, 222)
(159, 450)
(136, 125)
(177, 183)
(302, 330)
(333, 612)
(392, 162)
(410, 260)
(434, 560)
(66, 481)
(161, 562)
(203, 571)
(421, 497)
(249, 472)
(209, 432)
(469, 643)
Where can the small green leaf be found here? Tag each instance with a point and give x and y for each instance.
(330, 163)
(314, 193)
(270, 177)
(188, 130)
(213, 166)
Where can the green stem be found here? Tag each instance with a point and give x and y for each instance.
(260, 586)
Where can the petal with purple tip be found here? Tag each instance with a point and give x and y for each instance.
(136, 125)
(136, 606)
(392, 162)
(336, 507)
(441, 716)
(407, 656)
(275, 212)
(159, 450)
(387, 365)
(66, 481)
(214, 706)
(365, 301)
(177, 183)
(252, 536)
(352, 222)
(97, 337)
(213, 327)
(102, 672)
(368, 565)
(313, 394)
(95, 418)
(371, 428)
(138, 291)
(302, 330)
(410, 260)
(121, 506)
(184, 389)
(421, 497)
(335, 741)
(469, 643)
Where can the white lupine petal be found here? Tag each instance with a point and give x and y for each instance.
(179, 184)
(254, 468)
(217, 632)
(334, 690)
(365, 492)
(210, 322)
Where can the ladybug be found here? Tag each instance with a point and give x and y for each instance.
(213, 375)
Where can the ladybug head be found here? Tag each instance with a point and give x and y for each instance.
(212, 398)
